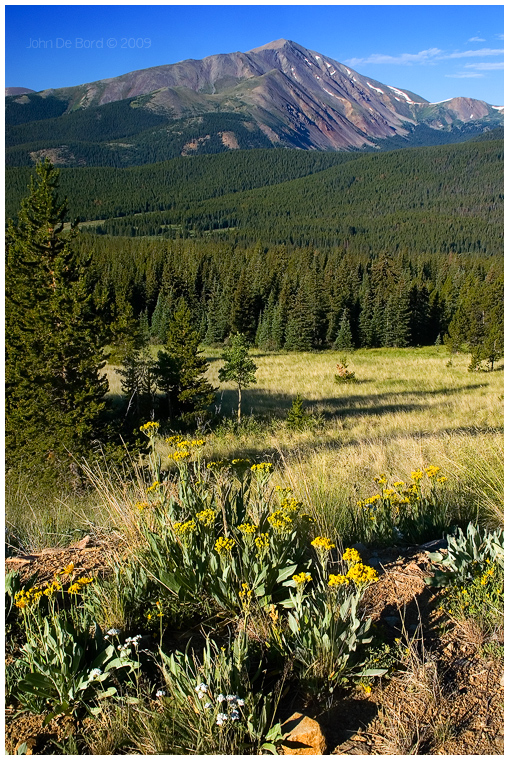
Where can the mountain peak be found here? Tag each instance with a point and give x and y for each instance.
(274, 45)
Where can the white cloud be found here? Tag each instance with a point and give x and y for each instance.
(473, 53)
(465, 75)
(477, 39)
(431, 55)
(485, 66)
(423, 56)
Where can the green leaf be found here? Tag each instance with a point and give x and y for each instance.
(285, 573)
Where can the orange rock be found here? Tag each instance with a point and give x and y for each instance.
(304, 736)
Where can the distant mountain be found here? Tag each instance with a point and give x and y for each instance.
(17, 91)
(280, 94)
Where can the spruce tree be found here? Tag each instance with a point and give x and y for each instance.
(54, 388)
(181, 369)
(344, 341)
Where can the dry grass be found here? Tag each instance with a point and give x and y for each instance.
(414, 717)
(409, 408)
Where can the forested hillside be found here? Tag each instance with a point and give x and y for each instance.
(440, 199)
(291, 298)
(101, 193)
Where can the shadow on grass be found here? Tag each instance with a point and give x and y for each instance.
(264, 402)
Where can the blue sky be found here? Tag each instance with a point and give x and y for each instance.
(437, 51)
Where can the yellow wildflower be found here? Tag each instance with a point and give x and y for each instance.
(67, 570)
(179, 456)
(362, 574)
(321, 543)
(417, 475)
(262, 542)
(432, 471)
(337, 580)
(223, 546)
(150, 428)
(206, 517)
(264, 468)
(184, 528)
(280, 521)
(141, 505)
(247, 528)
(381, 479)
(301, 579)
(351, 555)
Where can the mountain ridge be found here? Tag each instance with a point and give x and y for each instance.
(289, 95)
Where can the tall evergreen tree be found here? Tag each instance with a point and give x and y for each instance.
(300, 327)
(181, 369)
(344, 341)
(54, 386)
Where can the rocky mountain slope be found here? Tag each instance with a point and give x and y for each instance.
(281, 93)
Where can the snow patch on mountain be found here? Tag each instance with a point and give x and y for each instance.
(403, 95)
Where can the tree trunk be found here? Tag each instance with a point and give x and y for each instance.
(238, 410)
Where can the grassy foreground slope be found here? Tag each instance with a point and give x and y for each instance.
(410, 408)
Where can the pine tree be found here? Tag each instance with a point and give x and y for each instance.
(54, 388)
(344, 341)
(181, 369)
(299, 330)
(238, 366)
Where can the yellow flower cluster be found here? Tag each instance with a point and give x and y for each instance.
(322, 544)
(154, 487)
(217, 465)
(351, 555)
(150, 428)
(23, 599)
(247, 528)
(280, 521)
(184, 529)
(417, 475)
(290, 505)
(206, 517)
(75, 588)
(141, 505)
(179, 455)
(241, 464)
(264, 468)
(432, 471)
(381, 479)
(301, 579)
(31, 597)
(262, 542)
(223, 546)
(362, 575)
(337, 580)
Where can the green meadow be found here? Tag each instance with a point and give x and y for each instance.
(407, 409)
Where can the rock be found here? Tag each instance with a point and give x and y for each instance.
(374, 562)
(304, 736)
(433, 546)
